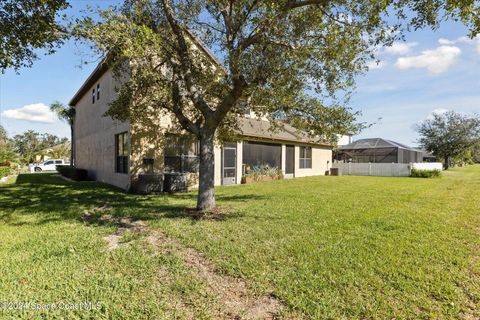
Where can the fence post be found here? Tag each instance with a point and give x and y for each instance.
(369, 168)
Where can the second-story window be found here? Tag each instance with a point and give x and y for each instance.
(93, 95)
(98, 91)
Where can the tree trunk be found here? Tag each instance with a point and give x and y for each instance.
(446, 163)
(206, 193)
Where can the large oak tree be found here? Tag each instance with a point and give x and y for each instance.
(290, 60)
(449, 135)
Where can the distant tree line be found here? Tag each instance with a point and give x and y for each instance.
(24, 147)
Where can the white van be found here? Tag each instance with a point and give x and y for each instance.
(49, 165)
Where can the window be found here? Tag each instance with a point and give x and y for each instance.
(48, 162)
(93, 95)
(181, 153)
(58, 162)
(305, 157)
(98, 91)
(121, 153)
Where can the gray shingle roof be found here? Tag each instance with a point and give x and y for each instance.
(374, 143)
(262, 129)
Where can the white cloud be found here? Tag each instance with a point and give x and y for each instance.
(444, 41)
(475, 41)
(372, 65)
(37, 112)
(436, 60)
(466, 40)
(400, 48)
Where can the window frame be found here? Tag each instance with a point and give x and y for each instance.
(185, 155)
(305, 157)
(121, 155)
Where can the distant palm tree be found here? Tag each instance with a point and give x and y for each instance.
(67, 114)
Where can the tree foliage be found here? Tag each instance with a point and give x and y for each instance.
(290, 60)
(31, 143)
(27, 26)
(6, 151)
(60, 151)
(449, 135)
(3, 136)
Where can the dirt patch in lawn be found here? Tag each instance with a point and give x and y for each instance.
(124, 226)
(233, 293)
(217, 213)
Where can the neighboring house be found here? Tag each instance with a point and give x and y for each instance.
(429, 157)
(378, 150)
(121, 153)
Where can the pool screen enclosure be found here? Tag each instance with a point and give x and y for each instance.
(378, 151)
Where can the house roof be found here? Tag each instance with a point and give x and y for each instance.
(375, 143)
(262, 129)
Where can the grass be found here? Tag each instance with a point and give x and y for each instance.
(329, 247)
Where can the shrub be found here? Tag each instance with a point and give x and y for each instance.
(73, 173)
(257, 172)
(5, 171)
(425, 173)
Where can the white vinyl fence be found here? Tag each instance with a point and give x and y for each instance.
(428, 166)
(383, 169)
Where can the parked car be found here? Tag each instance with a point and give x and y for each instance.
(49, 165)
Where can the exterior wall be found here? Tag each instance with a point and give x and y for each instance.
(239, 173)
(218, 164)
(95, 135)
(321, 162)
(147, 141)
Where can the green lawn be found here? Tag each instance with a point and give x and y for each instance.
(327, 247)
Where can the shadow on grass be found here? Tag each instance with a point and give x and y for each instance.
(43, 198)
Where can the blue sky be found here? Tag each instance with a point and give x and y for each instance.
(430, 71)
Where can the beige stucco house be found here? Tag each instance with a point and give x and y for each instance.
(124, 153)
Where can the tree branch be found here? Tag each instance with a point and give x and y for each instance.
(185, 122)
(185, 61)
(297, 4)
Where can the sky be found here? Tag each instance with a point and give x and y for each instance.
(429, 72)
